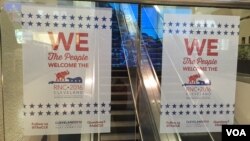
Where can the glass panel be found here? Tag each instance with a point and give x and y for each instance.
(124, 125)
(152, 37)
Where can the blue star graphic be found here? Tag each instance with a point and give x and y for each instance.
(184, 31)
(198, 31)
(214, 112)
(80, 25)
(221, 106)
(184, 24)
(40, 113)
(198, 25)
(88, 18)
(194, 106)
(205, 24)
(48, 105)
(219, 32)
(72, 17)
(96, 18)
(170, 31)
(208, 112)
(88, 25)
(191, 31)
(167, 106)
(191, 24)
(95, 104)
(208, 105)
(225, 33)
(201, 106)
(38, 23)
(104, 18)
(40, 106)
(177, 23)
(103, 26)
(55, 16)
(232, 33)
(72, 25)
(212, 32)
(96, 26)
(64, 113)
(173, 113)
(219, 25)
(32, 105)
(56, 105)
(170, 24)
(64, 105)
(64, 25)
(80, 112)
(227, 112)
(187, 112)
(103, 104)
(80, 17)
(181, 106)
(177, 31)
(47, 16)
(228, 105)
(88, 112)
(64, 17)
(32, 113)
(95, 112)
(205, 32)
(167, 112)
(221, 112)
(56, 113)
(72, 112)
(201, 112)
(30, 15)
(38, 16)
(80, 104)
(72, 105)
(55, 24)
(103, 111)
(48, 112)
(87, 105)
(188, 106)
(174, 106)
(226, 25)
(232, 25)
(30, 23)
(215, 105)
(180, 112)
(194, 112)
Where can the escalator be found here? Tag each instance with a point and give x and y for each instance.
(124, 125)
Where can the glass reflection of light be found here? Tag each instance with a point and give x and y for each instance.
(150, 82)
(42, 37)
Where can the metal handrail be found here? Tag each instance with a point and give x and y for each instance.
(132, 90)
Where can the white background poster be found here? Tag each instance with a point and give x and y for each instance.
(198, 72)
(66, 70)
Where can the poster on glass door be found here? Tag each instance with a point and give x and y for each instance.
(66, 70)
(198, 72)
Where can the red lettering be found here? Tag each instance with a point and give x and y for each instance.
(195, 43)
(80, 41)
(212, 44)
(60, 38)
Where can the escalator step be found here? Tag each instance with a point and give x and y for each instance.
(120, 137)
